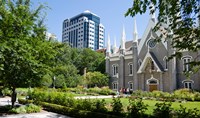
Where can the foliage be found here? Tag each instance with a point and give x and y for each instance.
(181, 94)
(176, 21)
(74, 112)
(117, 107)
(100, 106)
(163, 110)
(136, 108)
(96, 79)
(89, 59)
(187, 113)
(6, 92)
(30, 108)
(25, 54)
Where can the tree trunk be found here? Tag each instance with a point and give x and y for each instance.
(13, 96)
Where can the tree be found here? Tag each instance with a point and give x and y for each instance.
(25, 55)
(178, 20)
(87, 58)
(96, 79)
(63, 68)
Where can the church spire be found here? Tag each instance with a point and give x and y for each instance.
(115, 46)
(123, 39)
(135, 33)
(108, 44)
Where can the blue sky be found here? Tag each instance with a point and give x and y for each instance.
(111, 13)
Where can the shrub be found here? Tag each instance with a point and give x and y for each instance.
(136, 108)
(183, 113)
(84, 104)
(100, 106)
(74, 112)
(6, 92)
(31, 108)
(163, 110)
(18, 110)
(23, 101)
(117, 107)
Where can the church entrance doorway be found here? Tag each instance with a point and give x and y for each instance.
(152, 84)
(152, 88)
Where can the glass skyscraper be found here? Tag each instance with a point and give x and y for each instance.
(84, 31)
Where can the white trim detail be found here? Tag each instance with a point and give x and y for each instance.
(128, 56)
(154, 79)
(139, 62)
(115, 70)
(188, 84)
(186, 80)
(185, 60)
(114, 59)
(150, 25)
(144, 63)
(115, 84)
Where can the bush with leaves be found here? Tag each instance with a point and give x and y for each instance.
(163, 110)
(100, 106)
(136, 108)
(117, 107)
(183, 112)
(29, 108)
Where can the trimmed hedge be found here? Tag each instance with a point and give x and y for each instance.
(70, 111)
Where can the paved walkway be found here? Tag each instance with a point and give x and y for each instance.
(94, 97)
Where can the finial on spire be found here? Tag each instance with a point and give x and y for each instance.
(123, 38)
(135, 33)
(108, 44)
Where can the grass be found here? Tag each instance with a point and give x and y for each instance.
(151, 104)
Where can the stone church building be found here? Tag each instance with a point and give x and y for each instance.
(141, 64)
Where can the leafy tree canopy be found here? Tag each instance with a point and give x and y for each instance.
(177, 19)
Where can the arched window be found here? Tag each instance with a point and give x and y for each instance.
(130, 84)
(165, 63)
(186, 61)
(115, 70)
(152, 64)
(130, 66)
(188, 84)
(152, 81)
(115, 85)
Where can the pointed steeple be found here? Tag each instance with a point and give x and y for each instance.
(135, 33)
(108, 44)
(123, 39)
(115, 46)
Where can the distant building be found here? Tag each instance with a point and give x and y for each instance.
(50, 36)
(142, 64)
(84, 31)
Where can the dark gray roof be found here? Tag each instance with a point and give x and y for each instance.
(156, 61)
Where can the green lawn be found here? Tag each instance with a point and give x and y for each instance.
(151, 104)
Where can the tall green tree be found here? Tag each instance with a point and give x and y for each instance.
(25, 55)
(96, 79)
(63, 69)
(177, 19)
(89, 59)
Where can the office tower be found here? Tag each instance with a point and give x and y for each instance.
(84, 31)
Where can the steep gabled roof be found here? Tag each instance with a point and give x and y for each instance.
(148, 56)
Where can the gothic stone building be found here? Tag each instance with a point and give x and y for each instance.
(141, 64)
